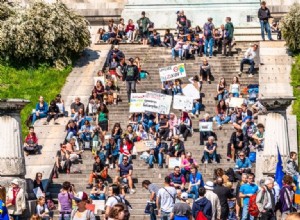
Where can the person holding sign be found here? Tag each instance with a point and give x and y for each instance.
(221, 111)
(210, 150)
(157, 153)
(163, 127)
(185, 125)
(132, 76)
(176, 149)
(205, 134)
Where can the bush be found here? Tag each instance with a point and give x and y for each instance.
(43, 33)
(5, 11)
(291, 27)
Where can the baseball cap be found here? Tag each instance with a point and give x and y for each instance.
(184, 196)
(81, 196)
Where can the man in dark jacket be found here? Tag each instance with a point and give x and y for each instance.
(131, 76)
(116, 54)
(224, 194)
(203, 205)
(264, 14)
(286, 196)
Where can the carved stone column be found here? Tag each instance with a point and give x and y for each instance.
(12, 161)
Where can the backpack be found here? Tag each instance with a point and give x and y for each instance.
(88, 214)
(200, 216)
(253, 208)
(207, 30)
(127, 205)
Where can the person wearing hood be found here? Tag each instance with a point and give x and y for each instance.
(214, 199)
(202, 205)
(286, 197)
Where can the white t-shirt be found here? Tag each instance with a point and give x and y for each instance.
(235, 88)
(84, 216)
(167, 196)
(112, 200)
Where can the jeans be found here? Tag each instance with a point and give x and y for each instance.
(152, 215)
(197, 107)
(41, 115)
(194, 192)
(160, 159)
(70, 135)
(86, 137)
(154, 41)
(225, 43)
(209, 42)
(220, 121)
(208, 156)
(15, 217)
(130, 87)
(176, 53)
(235, 94)
(247, 61)
(165, 215)
(265, 26)
(220, 96)
(98, 197)
(245, 214)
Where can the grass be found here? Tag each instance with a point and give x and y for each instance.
(295, 82)
(30, 83)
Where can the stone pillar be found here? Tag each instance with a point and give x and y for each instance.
(276, 94)
(12, 160)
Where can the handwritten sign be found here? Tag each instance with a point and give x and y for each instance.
(172, 72)
(191, 91)
(205, 126)
(174, 161)
(235, 102)
(182, 102)
(142, 146)
(137, 102)
(157, 102)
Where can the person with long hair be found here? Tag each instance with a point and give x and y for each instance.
(221, 114)
(117, 212)
(31, 143)
(38, 181)
(41, 110)
(221, 88)
(125, 149)
(116, 133)
(235, 87)
(130, 27)
(99, 89)
(112, 152)
(185, 125)
(3, 210)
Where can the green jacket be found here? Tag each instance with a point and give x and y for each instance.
(143, 23)
(230, 29)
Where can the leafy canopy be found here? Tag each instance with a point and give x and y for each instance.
(43, 33)
(291, 27)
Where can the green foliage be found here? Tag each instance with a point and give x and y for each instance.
(5, 11)
(291, 27)
(30, 84)
(43, 33)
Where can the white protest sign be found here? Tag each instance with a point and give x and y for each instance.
(205, 126)
(157, 102)
(174, 161)
(235, 102)
(191, 91)
(136, 102)
(172, 72)
(38, 192)
(182, 102)
(150, 144)
(99, 78)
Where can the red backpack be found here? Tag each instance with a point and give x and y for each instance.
(253, 208)
(200, 216)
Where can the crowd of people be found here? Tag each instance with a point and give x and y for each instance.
(186, 194)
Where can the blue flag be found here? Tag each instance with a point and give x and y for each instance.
(279, 170)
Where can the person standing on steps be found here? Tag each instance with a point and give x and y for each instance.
(213, 198)
(165, 200)
(131, 76)
(209, 29)
(153, 189)
(81, 212)
(229, 29)
(264, 14)
(143, 24)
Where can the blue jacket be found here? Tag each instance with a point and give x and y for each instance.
(203, 205)
(112, 151)
(43, 109)
(246, 163)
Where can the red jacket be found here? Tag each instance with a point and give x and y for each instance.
(129, 145)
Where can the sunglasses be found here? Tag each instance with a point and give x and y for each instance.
(125, 159)
(242, 155)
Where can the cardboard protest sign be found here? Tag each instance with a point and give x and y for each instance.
(136, 102)
(191, 91)
(235, 102)
(157, 102)
(141, 146)
(172, 72)
(99, 78)
(205, 126)
(174, 161)
(182, 102)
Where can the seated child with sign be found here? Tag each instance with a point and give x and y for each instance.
(176, 149)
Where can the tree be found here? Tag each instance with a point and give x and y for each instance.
(5, 11)
(291, 27)
(43, 32)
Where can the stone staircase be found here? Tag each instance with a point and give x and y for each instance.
(152, 59)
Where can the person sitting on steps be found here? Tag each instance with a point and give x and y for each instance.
(53, 112)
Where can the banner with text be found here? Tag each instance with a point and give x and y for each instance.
(157, 102)
(172, 72)
(137, 102)
(236, 102)
(182, 102)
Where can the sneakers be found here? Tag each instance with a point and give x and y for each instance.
(166, 166)
(240, 73)
(206, 162)
(197, 113)
(214, 162)
(45, 123)
(132, 191)
(150, 166)
(250, 75)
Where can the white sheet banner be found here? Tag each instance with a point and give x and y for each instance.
(172, 72)
(157, 102)
(235, 102)
(136, 102)
(182, 102)
(190, 90)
